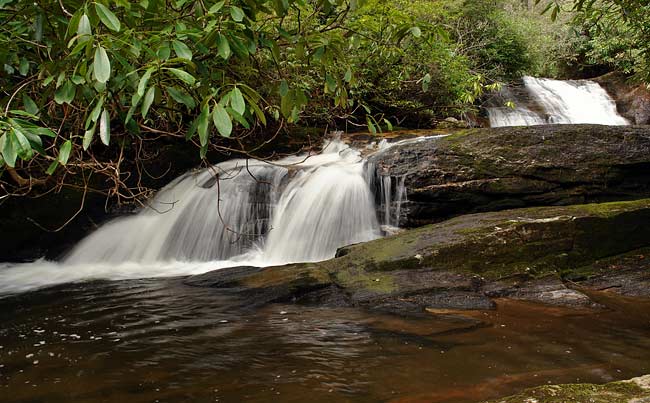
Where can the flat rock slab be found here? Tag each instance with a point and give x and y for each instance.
(552, 255)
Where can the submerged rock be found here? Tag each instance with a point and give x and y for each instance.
(635, 390)
(480, 170)
(545, 254)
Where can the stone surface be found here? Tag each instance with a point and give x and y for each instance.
(636, 390)
(478, 170)
(548, 255)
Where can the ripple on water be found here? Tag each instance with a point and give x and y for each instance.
(148, 340)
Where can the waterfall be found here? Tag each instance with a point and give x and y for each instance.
(297, 209)
(558, 102)
(294, 210)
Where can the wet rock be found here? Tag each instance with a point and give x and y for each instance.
(479, 170)
(636, 390)
(222, 278)
(546, 254)
(632, 100)
(627, 274)
(549, 290)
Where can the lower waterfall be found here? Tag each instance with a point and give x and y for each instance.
(297, 209)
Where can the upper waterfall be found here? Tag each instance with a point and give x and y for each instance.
(558, 102)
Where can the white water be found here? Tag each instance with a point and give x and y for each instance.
(295, 210)
(561, 102)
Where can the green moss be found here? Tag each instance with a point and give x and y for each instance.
(359, 279)
(617, 392)
(612, 208)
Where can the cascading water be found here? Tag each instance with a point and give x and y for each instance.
(297, 209)
(558, 102)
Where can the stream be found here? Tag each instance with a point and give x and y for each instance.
(159, 340)
(114, 321)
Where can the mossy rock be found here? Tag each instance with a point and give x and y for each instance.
(636, 390)
(525, 253)
(493, 169)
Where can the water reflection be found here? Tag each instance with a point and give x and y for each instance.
(159, 340)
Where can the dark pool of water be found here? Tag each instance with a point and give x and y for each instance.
(158, 340)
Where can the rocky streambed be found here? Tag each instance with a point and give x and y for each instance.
(557, 216)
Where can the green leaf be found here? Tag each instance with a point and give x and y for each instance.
(239, 118)
(23, 113)
(148, 100)
(64, 152)
(84, 26)
(287, 103)
(53, 166)
(216, 7)
(284, 88)
(258, 112)
(389, 125)
(237, 13)
(164, 51)
(105, 127)
(191, 131)
(426, 80)
(330, 82)
(181, 97)
(348, 75)
(371, 126)
(237, 101)
(65, 93)
(88, 137)
(24, 148)
(78, 80)
(34, 140)
(222, 121)
(223, 47)
(97, 110)
(142, 84)
(101, 65)
(416, 31)
(8, 150)
(204, 124)
(43, 131)
(23, 68)
(182, 50)
(183, 75)
(107, 17)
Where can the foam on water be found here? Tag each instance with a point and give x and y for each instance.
(298, 209)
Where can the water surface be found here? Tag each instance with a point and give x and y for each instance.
(159, 340)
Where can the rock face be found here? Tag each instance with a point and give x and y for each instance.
(480, 170)
(553, 255)
(632, 101)
(635, 390)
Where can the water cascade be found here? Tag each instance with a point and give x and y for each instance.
(547, 101)
(297, 209)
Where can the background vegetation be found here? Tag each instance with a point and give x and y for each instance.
(99, 88)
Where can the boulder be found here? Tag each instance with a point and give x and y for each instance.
(478, 170)
(545, 254)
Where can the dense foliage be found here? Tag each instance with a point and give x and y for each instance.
(98, 87)
(610, 33)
